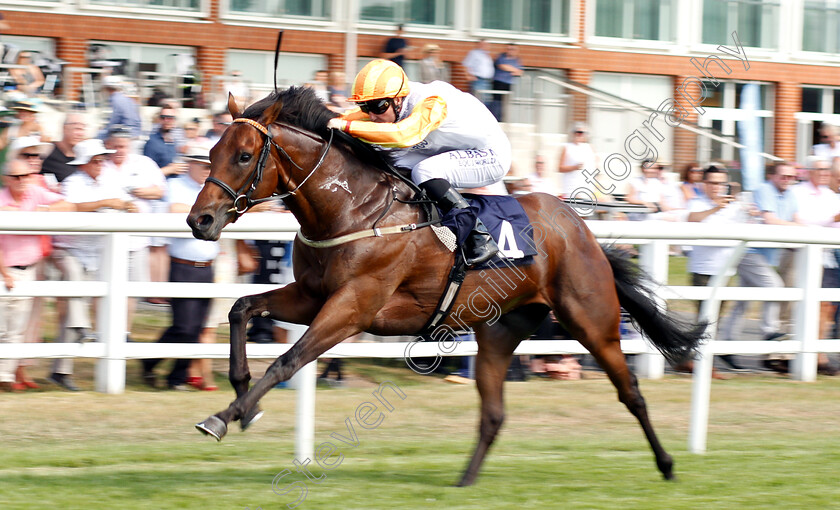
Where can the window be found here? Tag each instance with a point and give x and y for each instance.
(724, 113)
(283, 8)
(635, 19)
(24, 43)
(178, 5)
(146, 57)
(821, 26)
(256, 67)
(540, 16)
(821, 100)
(756, 22)
(415, 12)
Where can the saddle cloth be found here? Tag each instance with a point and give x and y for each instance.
(506, 221)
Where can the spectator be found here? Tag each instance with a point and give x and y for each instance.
(141, 178)
(829, 149)
(818, 205)
(191, 260)
(692, 182)
(320, 86)
(19, 256)
(221, 120)
(396, 47)
(508, 68)
(541, 180)
(338, 83)
(162, 144)
(200, 372)
(29, 79)
(480, 69)
(78, 257)
(275, 268)
(8, 127)
(124, 111)
(755, 269)
(431, 68)
(716, 207)
(238, 89)
(777, 205)
(652, 191)
(574, 157)
(57, 163)
(26, 113)
(30, 150)
(191, 135)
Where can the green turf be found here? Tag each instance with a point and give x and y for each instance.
(772, 444)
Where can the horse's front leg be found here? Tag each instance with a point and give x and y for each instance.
(290, 304)
(339, 318)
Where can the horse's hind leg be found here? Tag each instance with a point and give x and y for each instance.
(495, 348)
(596, 326)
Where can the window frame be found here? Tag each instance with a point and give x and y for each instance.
(266, 20)
(628, 23)
(516, 8)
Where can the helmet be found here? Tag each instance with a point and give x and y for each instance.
(379, 79)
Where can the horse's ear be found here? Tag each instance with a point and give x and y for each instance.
(272, 113)
(233, 107)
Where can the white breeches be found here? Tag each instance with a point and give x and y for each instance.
(467, 168)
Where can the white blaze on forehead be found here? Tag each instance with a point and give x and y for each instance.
(335, 182)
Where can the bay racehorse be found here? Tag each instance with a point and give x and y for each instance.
(391, 284)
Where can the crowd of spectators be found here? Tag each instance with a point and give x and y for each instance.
(119, 167)
(791, 194)
(114, 167)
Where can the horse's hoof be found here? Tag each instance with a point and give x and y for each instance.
(250, 417)
(213, 426)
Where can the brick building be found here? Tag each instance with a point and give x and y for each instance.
(641, 50)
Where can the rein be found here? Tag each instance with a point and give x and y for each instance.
(242, 200)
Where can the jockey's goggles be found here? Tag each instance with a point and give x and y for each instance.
(375, 106)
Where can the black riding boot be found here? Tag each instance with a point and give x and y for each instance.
(477, 243)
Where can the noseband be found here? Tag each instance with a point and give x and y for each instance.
(242, 200)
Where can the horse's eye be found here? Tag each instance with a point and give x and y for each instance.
(244, 157)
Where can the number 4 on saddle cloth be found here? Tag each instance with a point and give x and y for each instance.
(507, 222)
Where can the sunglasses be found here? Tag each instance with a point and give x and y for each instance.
(19, 177)
(787, 176)
(29, 155)
(97, 161)
(376, 106)
(167, 117)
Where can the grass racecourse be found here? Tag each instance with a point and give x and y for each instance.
(773, 443)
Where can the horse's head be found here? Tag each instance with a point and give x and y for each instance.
(241, 173)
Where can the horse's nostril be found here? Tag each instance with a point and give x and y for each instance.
(205, 220)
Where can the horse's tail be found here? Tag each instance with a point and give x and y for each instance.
(677, 340)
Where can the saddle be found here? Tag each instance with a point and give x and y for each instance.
(503, 216)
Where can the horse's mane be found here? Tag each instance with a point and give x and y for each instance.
(302, 108)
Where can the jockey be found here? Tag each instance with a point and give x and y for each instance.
(446, 137)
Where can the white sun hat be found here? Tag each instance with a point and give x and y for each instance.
(87, 149)
(24, 142)
(199, 152)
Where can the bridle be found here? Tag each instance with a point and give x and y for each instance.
(242, 200)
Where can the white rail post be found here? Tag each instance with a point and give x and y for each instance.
(807, 329)
(653, 257)
(111, 315)
(701, 382)
(304, 382)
